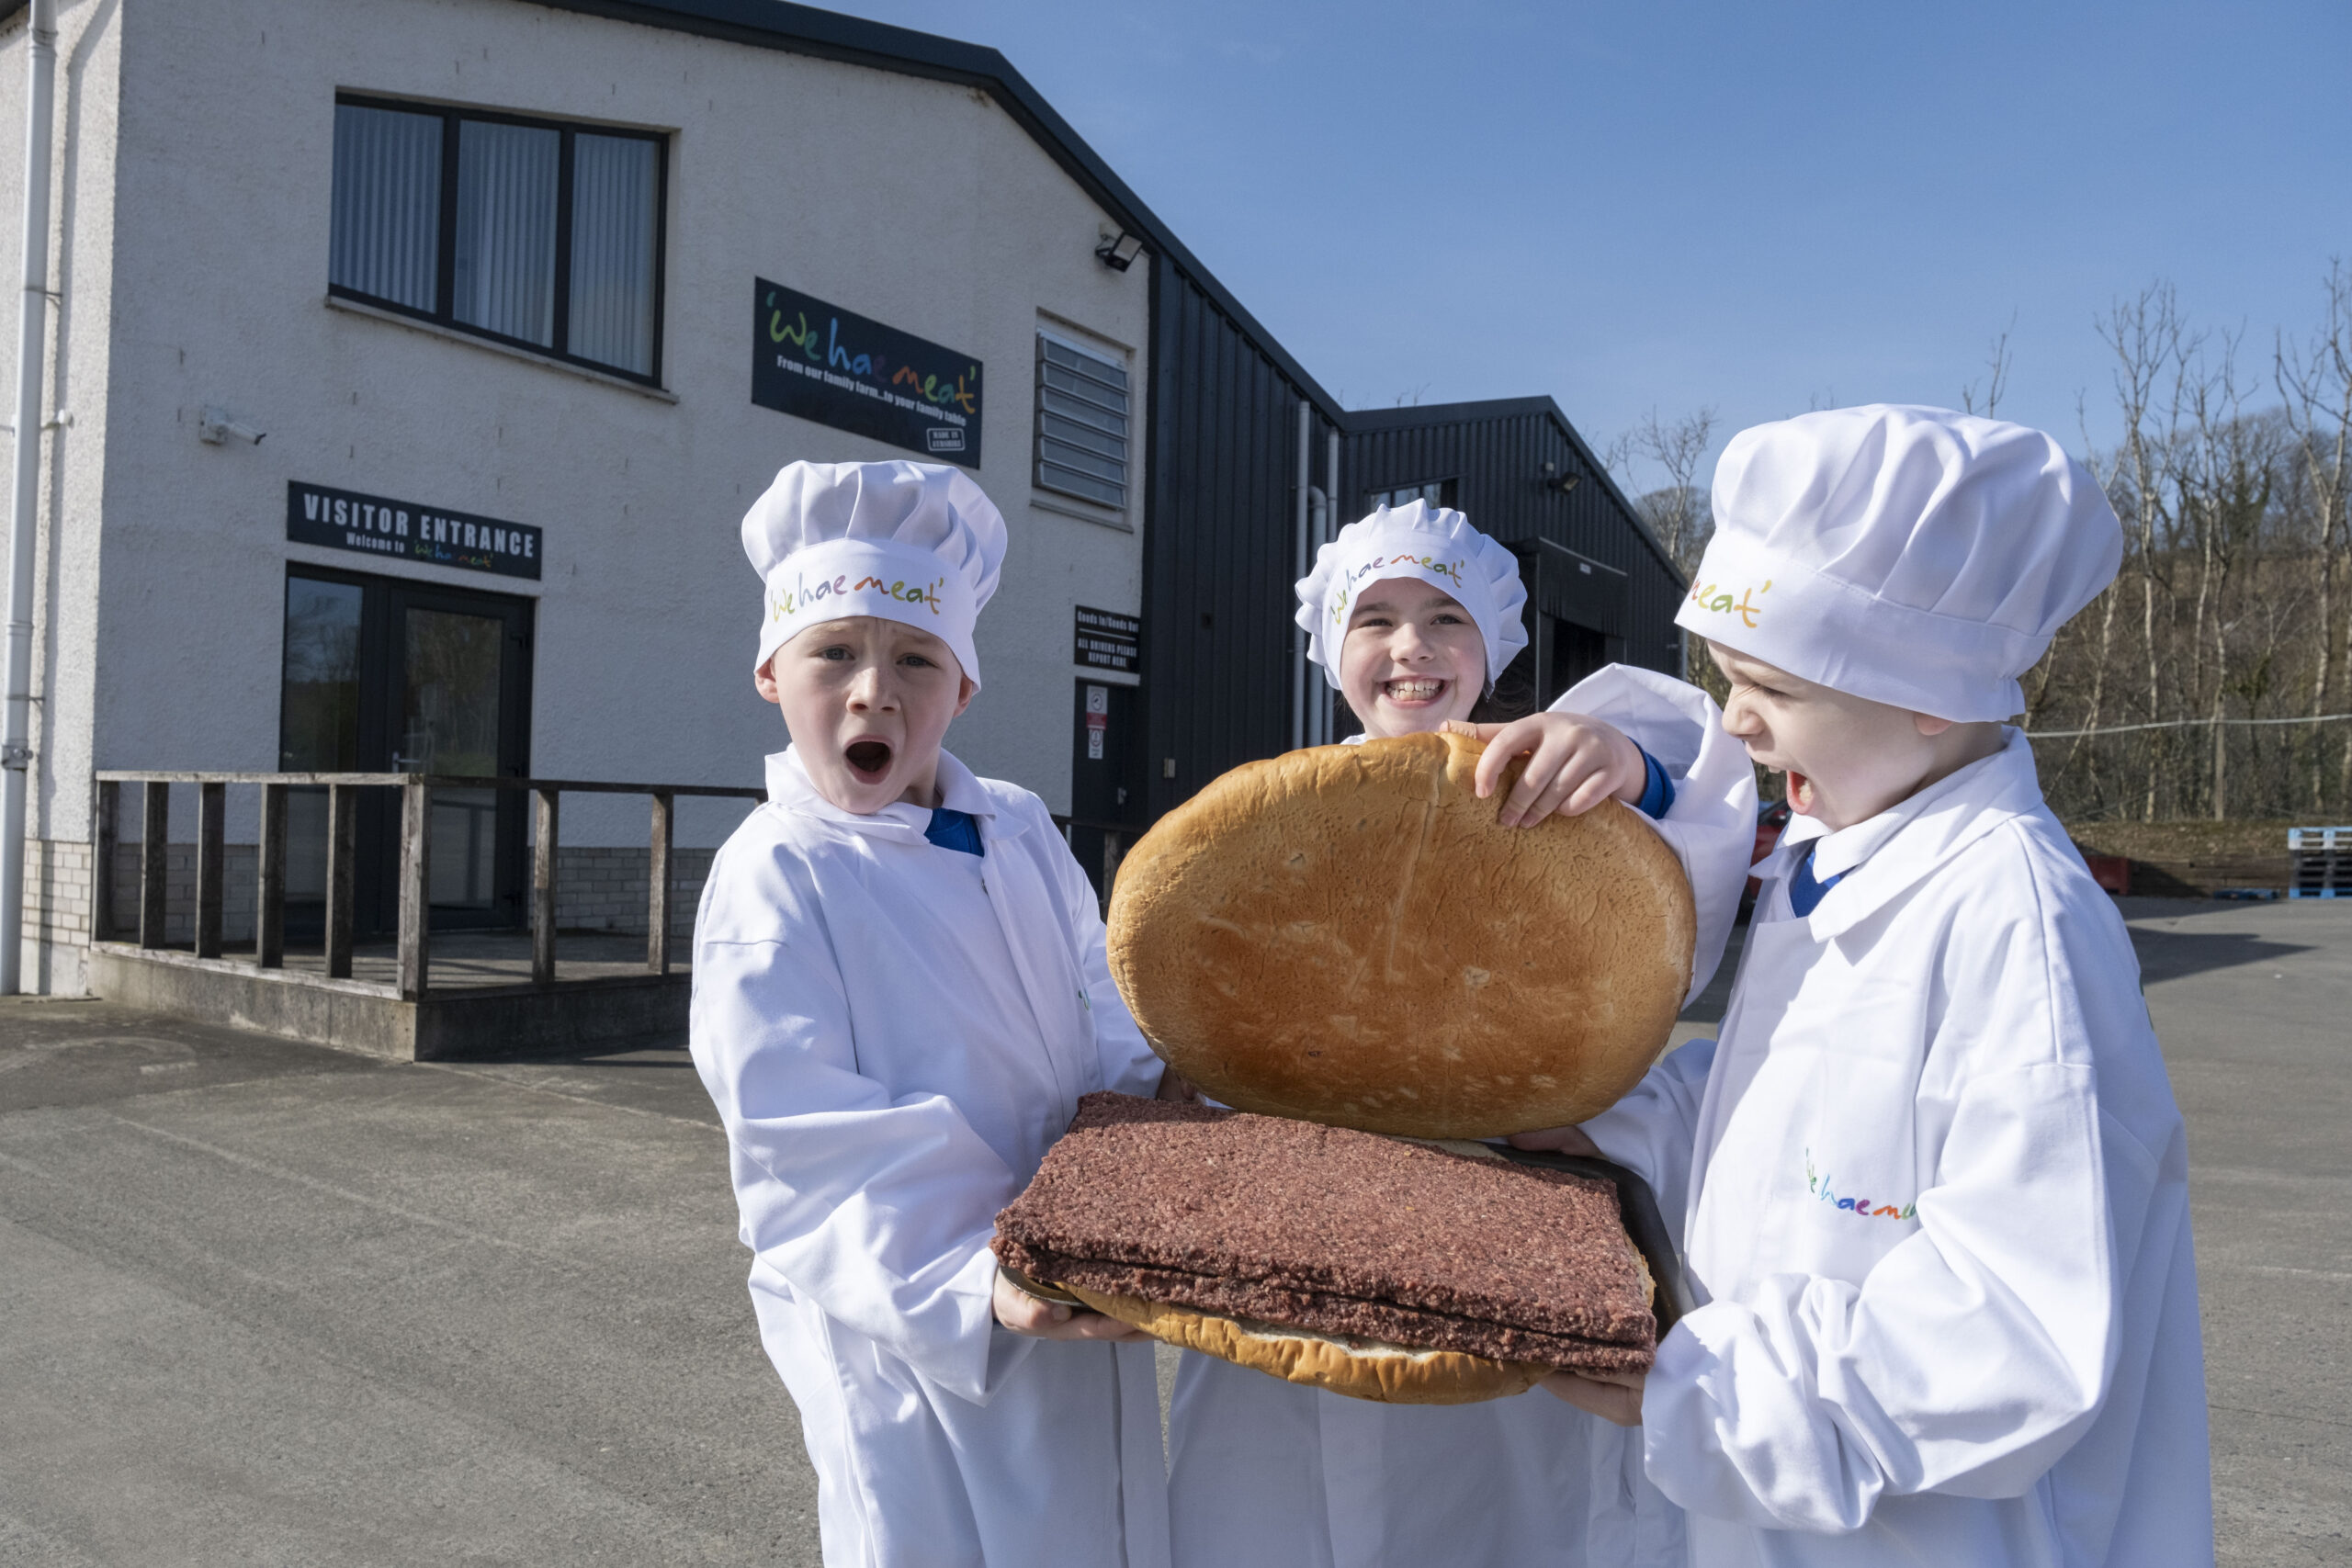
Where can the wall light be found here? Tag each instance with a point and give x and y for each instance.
(1118, 250)
(1556, 480)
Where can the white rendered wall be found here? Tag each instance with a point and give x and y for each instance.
(919, 204)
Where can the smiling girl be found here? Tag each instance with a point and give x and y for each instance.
(1414, 616)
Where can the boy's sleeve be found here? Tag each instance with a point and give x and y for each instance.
(878, 1211)
(1710, 826)
(1651, 1130)
(1979, 1348)
(1129, 1065)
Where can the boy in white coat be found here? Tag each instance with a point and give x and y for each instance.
(900, 996)
(1934, 1182)
(1413, 612)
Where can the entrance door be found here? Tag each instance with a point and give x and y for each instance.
(384, 676)
(1105, 788)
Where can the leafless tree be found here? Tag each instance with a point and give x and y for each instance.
(1677, 512)
(1997, 363)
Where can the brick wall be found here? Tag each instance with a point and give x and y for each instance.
(604, 889)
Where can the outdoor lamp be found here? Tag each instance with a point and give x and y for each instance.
(1119, 250)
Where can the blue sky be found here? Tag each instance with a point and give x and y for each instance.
(1760, 208)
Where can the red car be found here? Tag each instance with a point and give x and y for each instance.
(1771, 821)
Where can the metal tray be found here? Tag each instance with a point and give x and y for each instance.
(1645, 1225)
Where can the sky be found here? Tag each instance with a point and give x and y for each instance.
(1739, 208)
(1757, 208)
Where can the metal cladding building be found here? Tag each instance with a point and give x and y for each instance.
(409, 364)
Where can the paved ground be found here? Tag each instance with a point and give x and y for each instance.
(264, 1303)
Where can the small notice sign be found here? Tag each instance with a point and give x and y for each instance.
(832, 366)
(1108, 640)
(409, 530)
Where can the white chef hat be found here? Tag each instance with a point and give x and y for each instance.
(912, 542)
(1435, 544)
(1912, 556)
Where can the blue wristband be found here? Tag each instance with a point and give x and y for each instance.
(1657, 790)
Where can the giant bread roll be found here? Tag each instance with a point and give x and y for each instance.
(1447, 977)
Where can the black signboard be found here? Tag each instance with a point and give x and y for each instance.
(341, 520)
(825, 363)
(1108, 640)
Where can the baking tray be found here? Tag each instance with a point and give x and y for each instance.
(1645, 1225)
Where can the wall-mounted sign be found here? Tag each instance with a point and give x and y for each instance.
(1108, 640)
(821, 363)
(341, 520)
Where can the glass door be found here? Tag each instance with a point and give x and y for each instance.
(385, 675)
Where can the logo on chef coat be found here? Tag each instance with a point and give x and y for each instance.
(1825, 1188)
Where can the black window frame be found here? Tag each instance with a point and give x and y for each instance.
(444, 261)
(1448, 491)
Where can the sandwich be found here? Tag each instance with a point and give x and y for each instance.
(1381, 1268)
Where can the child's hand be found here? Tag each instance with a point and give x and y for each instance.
(1175, 1085)
(1573, 764)
(1612, 1396)
(1042, 1319)
(1562, 1140)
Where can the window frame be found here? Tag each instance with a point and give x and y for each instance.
(1448, 489)
(1123, 362)
(445, 260)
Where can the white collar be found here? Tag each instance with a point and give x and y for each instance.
(1910, 839)
(791, 789)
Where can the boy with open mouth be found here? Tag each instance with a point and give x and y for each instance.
(900, 995)
(1933, 1183)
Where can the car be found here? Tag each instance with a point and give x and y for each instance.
(1771, 821)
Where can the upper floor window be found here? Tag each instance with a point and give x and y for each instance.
(526, 231)
(1437, 492)
(1081, 422)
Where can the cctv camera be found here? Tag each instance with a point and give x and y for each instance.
(217, 425)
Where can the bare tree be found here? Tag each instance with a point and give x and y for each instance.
(2316, 382)
(1677, 512)
(1998, 362)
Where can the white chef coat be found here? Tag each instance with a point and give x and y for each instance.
(1264, 1471)
(1938, 1212)
(894, 1033)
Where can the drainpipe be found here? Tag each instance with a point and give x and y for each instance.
(32, 334)
(1305, 563)
(1333, 521)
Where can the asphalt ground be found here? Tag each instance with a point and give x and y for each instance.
(267, 1303)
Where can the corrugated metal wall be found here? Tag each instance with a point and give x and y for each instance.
(1496, 453)
(1220, 542)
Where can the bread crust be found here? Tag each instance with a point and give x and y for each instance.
(1447, 977)
(1361, 1369)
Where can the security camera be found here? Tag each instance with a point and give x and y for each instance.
(217, 425)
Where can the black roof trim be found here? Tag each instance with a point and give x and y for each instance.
(829, 35)
(1406, 418)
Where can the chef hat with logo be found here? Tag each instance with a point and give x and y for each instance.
(912, 542)
(1912, 556)
(1435, 544)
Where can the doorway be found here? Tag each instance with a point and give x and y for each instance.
(385, 675)
(1105, 782)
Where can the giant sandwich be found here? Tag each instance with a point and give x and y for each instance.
(1343, 945)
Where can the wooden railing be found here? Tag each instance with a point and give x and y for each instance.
(343, 850)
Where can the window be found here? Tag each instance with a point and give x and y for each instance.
(1081, 422)
(525, 232)
(1437, 492)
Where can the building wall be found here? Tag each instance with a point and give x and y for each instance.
(914, 202)
(1496, 454)
(1219, 642)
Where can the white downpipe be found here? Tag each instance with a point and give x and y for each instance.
(32, 342)
(1305, 563)
(1334, 519)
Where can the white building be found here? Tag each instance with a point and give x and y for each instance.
(414, 361)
